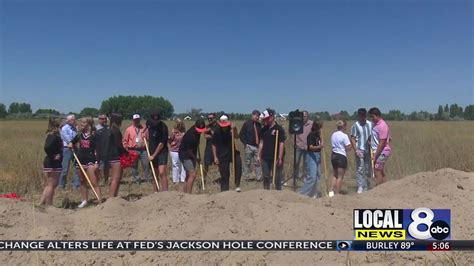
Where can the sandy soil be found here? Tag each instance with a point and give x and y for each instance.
(249, 215)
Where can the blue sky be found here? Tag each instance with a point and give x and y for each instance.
(236, 56)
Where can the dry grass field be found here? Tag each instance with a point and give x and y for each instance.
(417, 147)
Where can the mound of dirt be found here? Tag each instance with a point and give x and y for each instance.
(252, 215)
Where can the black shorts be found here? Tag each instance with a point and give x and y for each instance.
(161, 159)
(51, 165)
(338, 161)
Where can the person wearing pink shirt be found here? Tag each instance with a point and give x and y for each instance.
(134, 141)
(379, 143)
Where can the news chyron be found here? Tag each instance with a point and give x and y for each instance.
(402, 224)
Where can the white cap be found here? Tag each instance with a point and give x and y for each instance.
(224, 118)
(136, 116)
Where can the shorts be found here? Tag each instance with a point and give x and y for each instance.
(338, 161)
(86, 165)
(161, 159)
(381, 161)
(188, 164)
(52, 166)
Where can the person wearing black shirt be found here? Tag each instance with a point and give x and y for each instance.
(250, 136)
(188, 152)
(222, 150)
(313, 161)
(114, 150)
(52, 164)
(86, 154)
(102, 132)
(158, 134)
(208, 156)
(267, 149)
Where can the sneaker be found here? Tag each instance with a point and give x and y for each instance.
(360, 190)
(238, 189)
(331, 194)
(83, 204)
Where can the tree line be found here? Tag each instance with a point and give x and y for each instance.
(144, 105)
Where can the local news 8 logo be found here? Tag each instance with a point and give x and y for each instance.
(427, 224)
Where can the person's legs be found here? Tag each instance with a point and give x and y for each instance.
(83, 186)
(225, 174)
(360, 173)
(318, 173)
(248, 153)
(163, 177)
(67, 155)
(176, 166)
(379, 169)
(298, 154)
(238, 169)
(340, 177)
(266, 171)
(48, 192)
(278, 177)
(91, 170)
(182, 173)
(145, 162)
(135, 174)
(258, 167)
(309, 182)
(368, 170)
(116, 171)
(190, 168)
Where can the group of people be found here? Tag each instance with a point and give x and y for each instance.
(99, 150)
(369, 140)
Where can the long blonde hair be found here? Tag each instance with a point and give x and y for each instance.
(89, 121)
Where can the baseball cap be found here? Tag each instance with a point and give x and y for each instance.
(256, 112)
(135, 116)
(267, 113)
(200, 126)
(224, 121)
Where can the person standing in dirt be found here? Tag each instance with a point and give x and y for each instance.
(208, 156)
(179, 174)
(133, 141)
(340, 146)
(222, 150)
(313, 161)
(86, 151)
(52, 163)
(188, 153)
(102, 130)
(302, 145)
(360, 136)
(380, 144)
(68, 132)
(267, 149)
(112, 150)
(250, 136)
(158, 133)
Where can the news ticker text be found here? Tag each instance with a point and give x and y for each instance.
(234, 245)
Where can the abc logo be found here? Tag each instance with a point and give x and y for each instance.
(439, 230)
(423, 218)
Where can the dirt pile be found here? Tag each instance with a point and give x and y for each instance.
(249, 215)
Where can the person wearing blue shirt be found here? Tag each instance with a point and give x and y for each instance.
(68, 132)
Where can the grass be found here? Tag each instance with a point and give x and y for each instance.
(416, 147)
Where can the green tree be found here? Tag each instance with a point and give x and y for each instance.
(46, 112)
(396, 115)
(19, 108)
(3, 111)
(469, 112)
(439, 115)
(446, 108)
(143, 105)
(455, 111)
(89, 111)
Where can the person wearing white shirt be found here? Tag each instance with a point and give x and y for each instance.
(340, 146)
